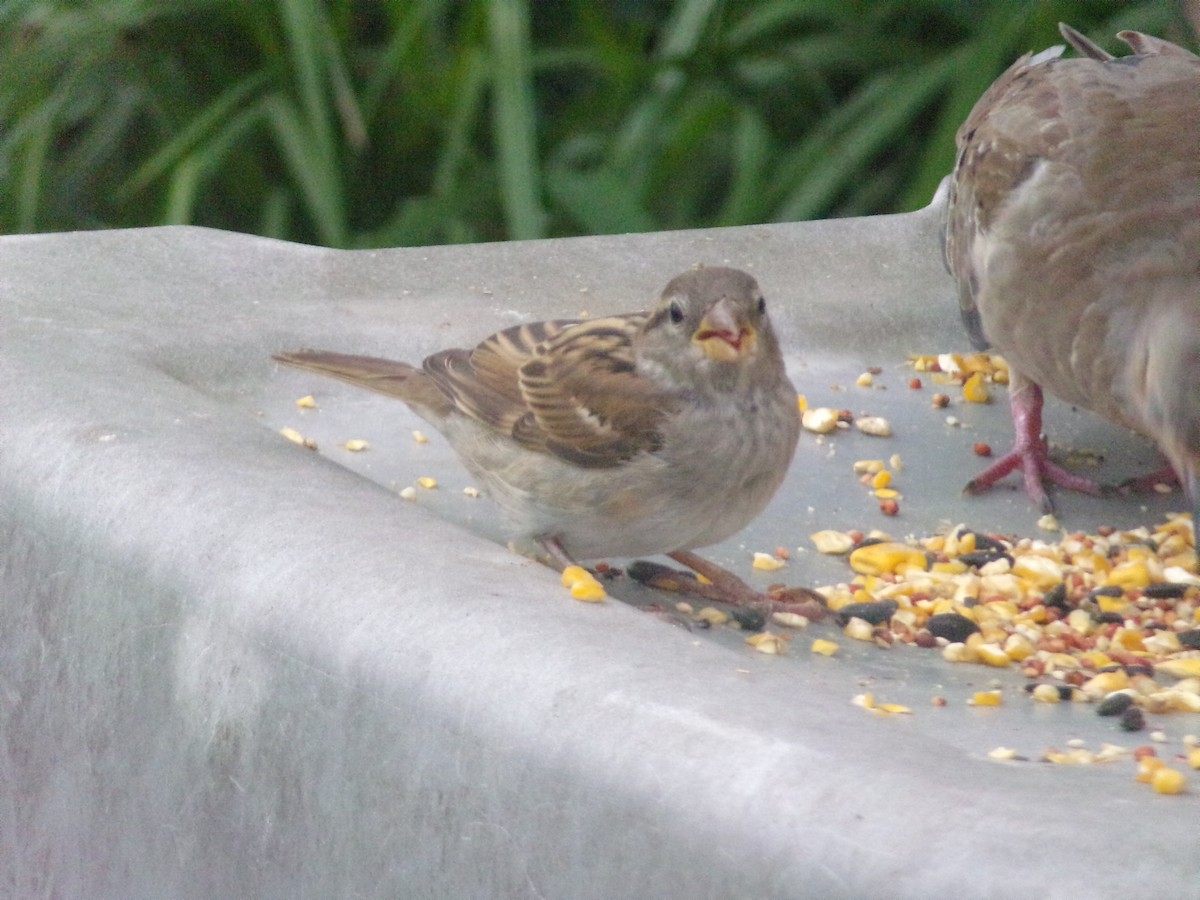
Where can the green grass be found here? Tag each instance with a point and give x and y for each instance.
(356, 124)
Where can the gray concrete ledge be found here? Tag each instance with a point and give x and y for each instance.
(232, 667)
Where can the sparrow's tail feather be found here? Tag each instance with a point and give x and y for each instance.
(384, 376)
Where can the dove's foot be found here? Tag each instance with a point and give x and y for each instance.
(1031, 454)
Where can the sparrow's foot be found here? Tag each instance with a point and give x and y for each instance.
(1031, 454)
(725, 587)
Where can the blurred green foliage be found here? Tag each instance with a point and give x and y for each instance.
(409, 122)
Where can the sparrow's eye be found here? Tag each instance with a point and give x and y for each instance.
(762, 306)
(675, 311)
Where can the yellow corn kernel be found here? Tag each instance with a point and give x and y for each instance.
(993, 655)
(1039, 571)
(887, 558)
(1096, 659)
(582, 584)
(837, 601)
(1146, 768)
(1046, 693)
(953, 567)
(1127, 639)
(1018, 647)
(1179, 668)
(789, 619)
(306, 402)
(1112, 604)
(1168, 781)
(824, 647)
(1129, 575)
(573, 574)
(713, 616)
(1105, 683)
(859, 629)
(1080, 620)
(1186, 560)
(1036, 614)
(831, 542)
(1092, 562)
(1163, 643)
(1061, 661)
(767, 563)
(767, 642)
(1180, 701)
(1077, 757)
(987, 698)
(1193, 757)
(882, 479)
(1001, 610)
(426, 482)
(958, 652)
(801, 402)
(588, 591)
(974, 390)
(966, 543)
(820, 420)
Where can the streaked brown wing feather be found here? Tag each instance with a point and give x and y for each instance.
(563, 387)
(483, 382)
(586, 400)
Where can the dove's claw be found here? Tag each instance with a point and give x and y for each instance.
(1031, 454)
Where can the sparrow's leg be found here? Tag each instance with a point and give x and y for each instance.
(1030, 452)
(558, 557)
(1144, 484)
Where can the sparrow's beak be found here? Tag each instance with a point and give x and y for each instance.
(722, 334)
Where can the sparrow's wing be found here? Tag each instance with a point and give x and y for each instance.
(564, 387)
(586, 399)
(484, 383)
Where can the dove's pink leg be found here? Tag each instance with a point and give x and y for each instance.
(1030, 452)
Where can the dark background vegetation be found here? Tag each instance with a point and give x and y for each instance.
(363, 124)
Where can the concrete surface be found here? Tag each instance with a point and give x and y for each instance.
(234, 667)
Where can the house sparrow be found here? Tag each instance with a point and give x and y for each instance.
(1074, 232)
(651, 432)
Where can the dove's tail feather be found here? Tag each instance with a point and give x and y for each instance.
(384, 376)
(1141, 44)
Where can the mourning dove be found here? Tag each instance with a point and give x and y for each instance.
(651, 432)
(1073, 230)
